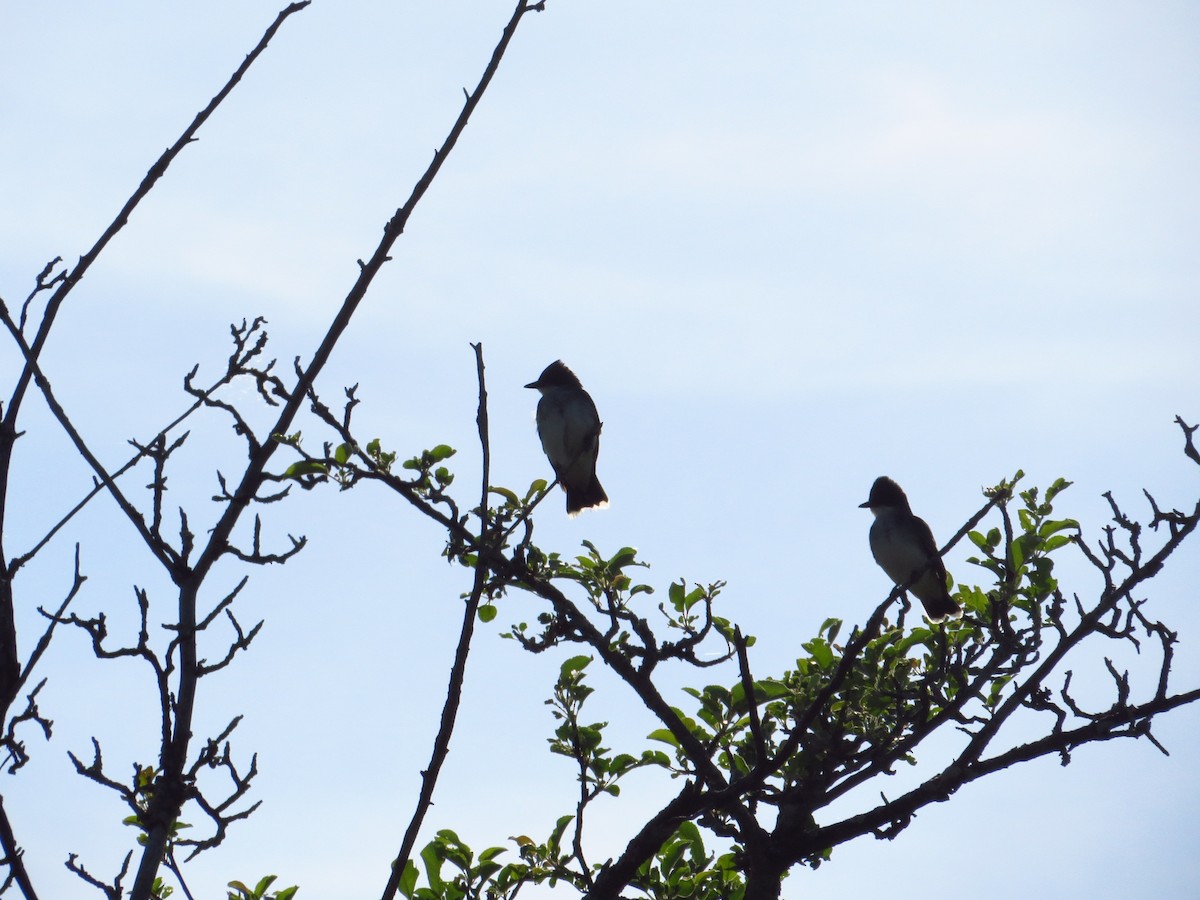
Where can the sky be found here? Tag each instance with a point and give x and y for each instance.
(787, 248)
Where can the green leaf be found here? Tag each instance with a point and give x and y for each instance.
(484, 871)
(1057, 541)
(432, 858)
(408, 881)
(718, 693)
(505, 493)
(770, 689)
(556, 836)
(491, 853)
(454, 850)
(1020, 549)
(691, 834)
(342, 453)
(572, 665)
(487, 613)
(1059, 485)
(820, 651)
(1050, 527)
(725, 628)
(304, 467)
(830, 628)
(621, 762)
(622, 558)
(663, 735)
(737, 697)
(441, 452)
(657, 758)
(675, 593)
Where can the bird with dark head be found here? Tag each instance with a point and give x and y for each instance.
(904, 547)
(569, 427)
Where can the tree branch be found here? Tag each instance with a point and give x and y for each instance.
(441, 743)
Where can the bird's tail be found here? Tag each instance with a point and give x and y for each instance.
(580, 498)
(939, 608)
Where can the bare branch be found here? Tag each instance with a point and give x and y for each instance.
(14, 857)
(441, 743)
(112, 891)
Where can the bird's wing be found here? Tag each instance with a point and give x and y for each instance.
(929, 545)
(581, 426)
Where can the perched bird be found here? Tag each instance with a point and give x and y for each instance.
(569, 426)
(904, 547)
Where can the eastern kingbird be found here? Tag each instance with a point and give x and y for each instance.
(569, 426)
(904, 547)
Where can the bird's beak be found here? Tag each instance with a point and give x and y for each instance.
(866, 505)
(533, 384)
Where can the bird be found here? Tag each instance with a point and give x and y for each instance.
(569, 427)
(903, 546)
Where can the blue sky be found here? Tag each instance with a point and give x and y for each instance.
(787, 249)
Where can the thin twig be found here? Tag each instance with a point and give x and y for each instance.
(14, 856)
(441, 743)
